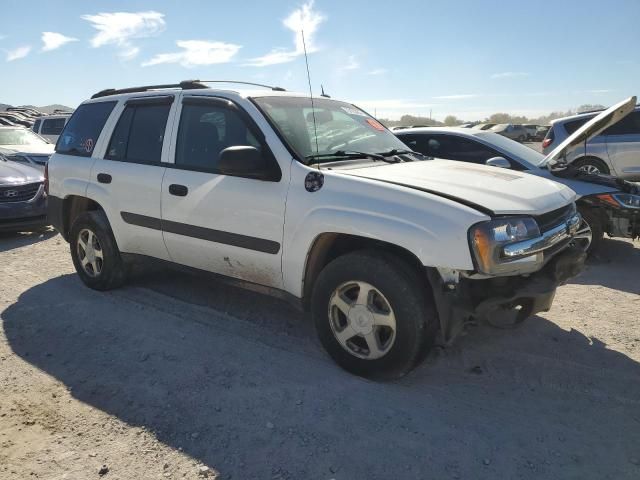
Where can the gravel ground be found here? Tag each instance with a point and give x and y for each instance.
(175, 376)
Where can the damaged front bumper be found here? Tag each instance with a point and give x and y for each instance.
(501, 301)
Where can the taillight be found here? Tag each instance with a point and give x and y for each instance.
(46, 178)
(546, 142)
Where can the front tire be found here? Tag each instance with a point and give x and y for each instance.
(590, 233)
(371, 314)
(95, 253)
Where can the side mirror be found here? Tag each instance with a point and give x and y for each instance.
(242, 161)
(499, 162)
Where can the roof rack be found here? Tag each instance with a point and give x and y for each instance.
(275, 89)
(184, 85)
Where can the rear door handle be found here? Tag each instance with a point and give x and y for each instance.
(104, 178)
(178, 190)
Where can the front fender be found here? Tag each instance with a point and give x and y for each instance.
(432, 228)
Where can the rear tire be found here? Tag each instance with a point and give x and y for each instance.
(371, 314)
(95, 253)
(592, 165)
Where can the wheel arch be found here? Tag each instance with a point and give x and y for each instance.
(72, 207)
(329, 246)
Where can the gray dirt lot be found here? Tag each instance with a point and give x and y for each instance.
(174, 373)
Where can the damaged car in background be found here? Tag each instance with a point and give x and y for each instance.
(23, 205)
(608, 205)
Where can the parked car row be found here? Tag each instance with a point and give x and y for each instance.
(392, 243)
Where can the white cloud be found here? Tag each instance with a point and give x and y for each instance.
(197, 52)
(457, 97)
(53, 40)
(377, 71)
(352, 63)
(510, 75)
(303, 18)
(120, 28)
(17, 53)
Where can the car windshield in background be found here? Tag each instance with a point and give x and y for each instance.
(338, 126)
(19, 136)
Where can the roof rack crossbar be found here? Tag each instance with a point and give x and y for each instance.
(271, 87)
(184, 85)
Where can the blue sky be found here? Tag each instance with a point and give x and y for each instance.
(469, 58)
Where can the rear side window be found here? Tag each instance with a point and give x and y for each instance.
(574, 125)
(53, 126)
(81, 133)
(139, 134)
(36, 126)
(629, 125)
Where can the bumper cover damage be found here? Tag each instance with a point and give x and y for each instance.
(504, 301)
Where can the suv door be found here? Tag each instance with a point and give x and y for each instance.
(623, 146)
(128, 177)
(225, 224)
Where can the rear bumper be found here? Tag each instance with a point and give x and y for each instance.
(502, 301)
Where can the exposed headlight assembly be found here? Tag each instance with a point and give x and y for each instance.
(620, 200)
(488, 240)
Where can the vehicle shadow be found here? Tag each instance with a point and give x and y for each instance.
(605, 267)
(11, 240)
(256, 399)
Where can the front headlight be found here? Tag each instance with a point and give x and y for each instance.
(488, 240)
(627, 200)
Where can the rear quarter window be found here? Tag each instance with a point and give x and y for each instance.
(81, 133)
(574, 125)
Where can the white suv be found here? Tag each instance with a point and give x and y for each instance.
(310, 200)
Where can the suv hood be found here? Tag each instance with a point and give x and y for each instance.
(593, 127)
(484, 188)
(38, 149)
(13, 173)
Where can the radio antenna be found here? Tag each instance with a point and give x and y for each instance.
(313, 110)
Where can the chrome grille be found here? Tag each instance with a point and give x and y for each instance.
(19, 193)
(548, 220)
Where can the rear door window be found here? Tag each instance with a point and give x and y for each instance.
(52, 126)
(139, 134)
(36, 126)
(629, 125)
(81, 133)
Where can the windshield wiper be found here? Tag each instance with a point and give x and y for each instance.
(397, 151)
(350, 154)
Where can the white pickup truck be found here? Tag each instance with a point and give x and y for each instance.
(311, 200)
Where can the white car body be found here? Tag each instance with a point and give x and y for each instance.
(35, 154)
(269, 232)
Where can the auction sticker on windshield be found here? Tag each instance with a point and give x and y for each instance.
(375, 124)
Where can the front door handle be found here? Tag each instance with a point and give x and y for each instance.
(178, 190)
(104, 178)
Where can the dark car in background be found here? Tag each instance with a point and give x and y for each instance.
(23, 202)
(512, 131)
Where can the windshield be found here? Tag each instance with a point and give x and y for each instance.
(524, 153)
(338, 126)
(18, 136)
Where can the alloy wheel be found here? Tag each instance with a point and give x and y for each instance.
(583, 237)
(90, 253)
(362, 320)
(590, 169)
